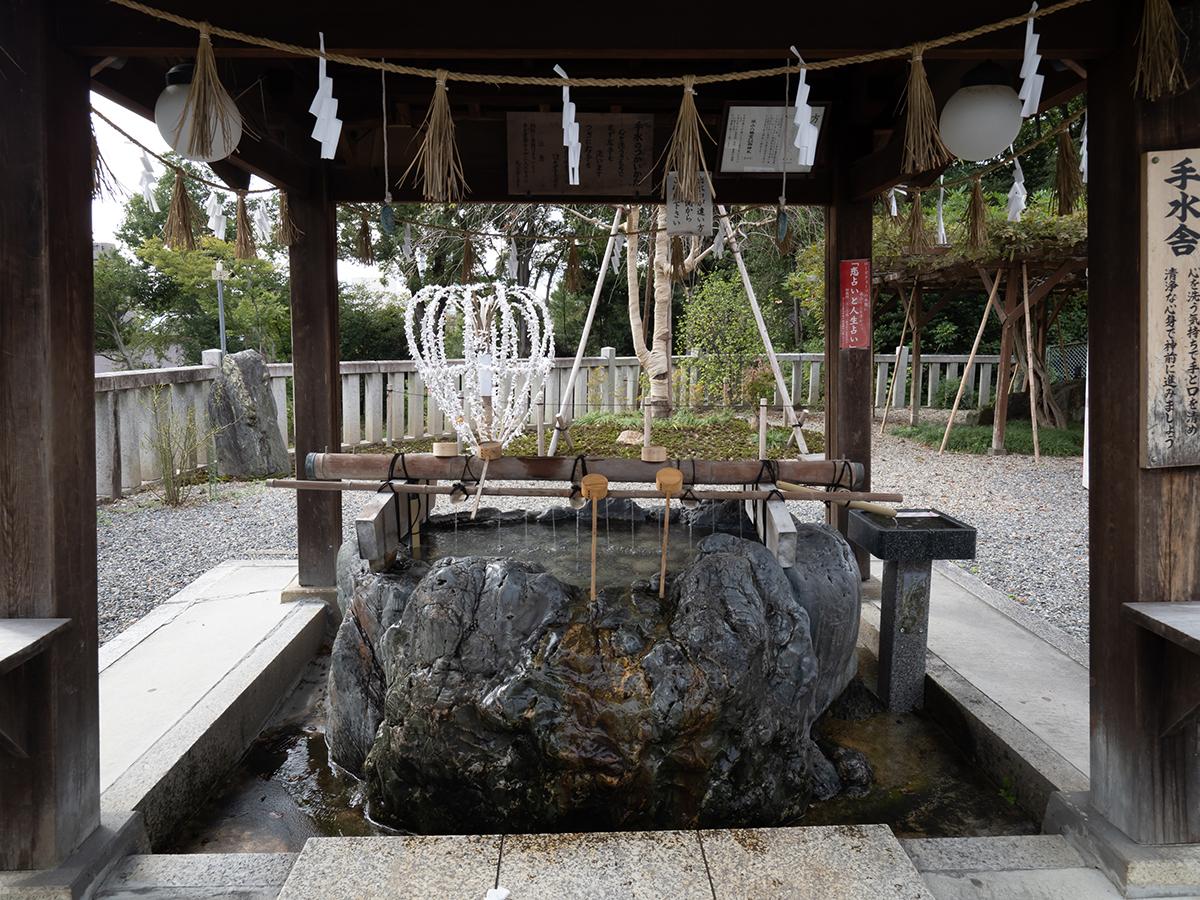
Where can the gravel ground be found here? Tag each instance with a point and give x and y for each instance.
(1031, 518)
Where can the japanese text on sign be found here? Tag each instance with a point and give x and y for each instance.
(855, 280)
(1171, 309)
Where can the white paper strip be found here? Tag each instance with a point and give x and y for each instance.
(1031, 81)
(718, 245)
(216, 218)
(328, 128)
(1083, 151)
(807, 133)
(407, 247)
(262, 222)
(941, 220)
(1017, 194)
(617, 251)
(570, 130)
(147, 182)
(512, 260)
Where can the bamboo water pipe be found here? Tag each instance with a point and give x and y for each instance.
(427, 467)
(792, 492)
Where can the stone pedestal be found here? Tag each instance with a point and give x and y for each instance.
(904, 633)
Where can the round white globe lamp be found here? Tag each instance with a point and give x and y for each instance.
(177, 131)
(983, 117)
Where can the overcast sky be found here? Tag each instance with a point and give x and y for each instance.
(125, 160)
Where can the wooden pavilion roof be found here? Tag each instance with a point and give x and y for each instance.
(131, 53)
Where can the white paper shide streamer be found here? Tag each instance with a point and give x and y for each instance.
(617, 252)
(1017, 195)
(570, 130)
(262, 223)
(147, 182)
(1083, 152)
(492, 318)
(213, 208)
(328, 128)
(806, 132)
(941, 219)
(511, 266)
(1031, 80)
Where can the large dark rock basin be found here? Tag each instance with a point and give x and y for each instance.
(482, 695)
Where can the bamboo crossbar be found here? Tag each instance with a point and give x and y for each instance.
(427, 467)
(401, 487)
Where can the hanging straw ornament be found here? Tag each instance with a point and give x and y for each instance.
(977, 233)
(208, 109)
(364, 252)
(685, 153)
(917, 240)
(923, 147)
(243, 244)
(178, 232)
(571, 278)
(287, 233)
(784, 241)
(1159, 66)
(1068, 183)
(104, 183)
(437, 160)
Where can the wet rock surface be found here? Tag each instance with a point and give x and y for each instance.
(493, 696)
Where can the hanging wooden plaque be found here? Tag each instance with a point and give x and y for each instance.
(1170, 383)
(854, 276)
(616, 155)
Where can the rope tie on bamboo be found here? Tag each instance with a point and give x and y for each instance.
(398, 457)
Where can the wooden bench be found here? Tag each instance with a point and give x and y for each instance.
(20, 641)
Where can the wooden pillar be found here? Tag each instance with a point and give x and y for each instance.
(1144, 524)
(317, 382)
(50, 798)
(848, 400)
(918, 325)
(1012, 297)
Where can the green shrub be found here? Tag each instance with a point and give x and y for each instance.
(1018, 438)
(943, 397)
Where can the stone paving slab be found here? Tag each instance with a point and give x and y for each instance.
(982, 854)
(247, 876)
(836, 862)
(430, 868)
(647, 865)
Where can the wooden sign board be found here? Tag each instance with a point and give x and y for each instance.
(759, 139)
(854, 277)
(689, 218)
(616, 155)
(1170, 383)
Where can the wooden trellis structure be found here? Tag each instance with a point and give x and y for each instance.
(1052, 280)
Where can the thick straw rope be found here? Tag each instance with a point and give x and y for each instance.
(558, 82)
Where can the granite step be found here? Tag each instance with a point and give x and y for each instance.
(192, 876)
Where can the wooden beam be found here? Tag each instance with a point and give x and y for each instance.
(1143, 523)
(317, 381)
(49, 800)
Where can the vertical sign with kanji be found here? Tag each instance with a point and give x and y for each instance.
(855, 278)
(1170, 385)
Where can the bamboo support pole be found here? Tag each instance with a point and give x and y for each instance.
(594, 489)
(762, 427)
(962, 382)
(780, 385)
(887, 404)
(793, 492)
(1030, 375)
(669, 482)
(569, 391)
(539, 421)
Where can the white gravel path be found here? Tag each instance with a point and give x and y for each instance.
(1032, 522)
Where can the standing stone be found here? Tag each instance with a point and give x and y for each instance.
(241, 408)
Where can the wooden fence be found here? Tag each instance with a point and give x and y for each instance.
(386, 401)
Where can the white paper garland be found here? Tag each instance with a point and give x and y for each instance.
(147, 183)
(570, 130)
(328, 128)
(805, 141)
(1017, 195)
(492, 317)
(1083, 151)
(941, 219)
(213, 208)
(1031, 81)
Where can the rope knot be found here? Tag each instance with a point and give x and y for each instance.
(689, 84)
(441, 75)
(918, 52)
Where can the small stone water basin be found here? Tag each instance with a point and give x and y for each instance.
(912, 534)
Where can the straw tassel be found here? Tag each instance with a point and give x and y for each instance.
(286, 231)
(103, 180)
(571, 278)
(917, 238)
(685, 153)
(468, 262)
(243, 245)
(1068, 182)
(437, 160)
(364, 252)
(923, 147)
(209, 109)
(977, 219)
(1159, 67)
(179, 230)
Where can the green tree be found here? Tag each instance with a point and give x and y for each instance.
(718, 322)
